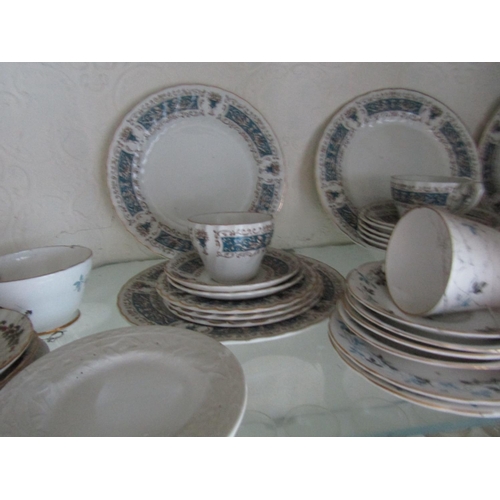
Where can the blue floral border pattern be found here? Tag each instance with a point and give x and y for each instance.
(367, 109)
(156, 112)
(489, 153)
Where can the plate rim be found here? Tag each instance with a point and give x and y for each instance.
(130, 138)
(80, 351)
(292, 261)
(342, 126)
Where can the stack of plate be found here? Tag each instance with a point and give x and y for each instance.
(448, 362)
(285, 287)
(376, 221)
(19, 344)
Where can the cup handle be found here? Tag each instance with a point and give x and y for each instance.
(473, 193)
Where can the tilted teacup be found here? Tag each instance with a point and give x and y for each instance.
(454, 194)
(438, 262)
(231, 244)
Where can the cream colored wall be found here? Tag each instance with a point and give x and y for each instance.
(57, 121)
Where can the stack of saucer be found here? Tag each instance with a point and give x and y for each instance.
(19, 344)
(447, 362)
(284, 287)
(376, 221)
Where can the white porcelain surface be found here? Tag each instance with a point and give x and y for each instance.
(367, 283)
(383, 133)
(140, 303)
(16, 332)
(231, 244)
(371, 319)
(48, 281)
(243, 322)
(439, 262)
(388, 341)
(136, 381)
(455, 194)
(277, 266)
(464, 385)
(250, 294)
(456, 407)
(305, 288)
(187, 150)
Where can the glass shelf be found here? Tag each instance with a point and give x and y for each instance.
(297, 385)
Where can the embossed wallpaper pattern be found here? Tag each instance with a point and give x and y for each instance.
(58, 119)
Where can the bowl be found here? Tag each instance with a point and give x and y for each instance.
(16, 332)
(231, 244)
(45, 283)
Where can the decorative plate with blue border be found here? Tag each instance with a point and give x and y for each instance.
(187, 150)
(140, 303)
(489, 153)
(383, 133)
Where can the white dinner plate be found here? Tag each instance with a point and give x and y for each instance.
(277, 266)
(187, 150)
(489, 153)
(367, 284)
(382, 133)
(135, 381)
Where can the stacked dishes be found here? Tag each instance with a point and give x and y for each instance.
(19, 344)
(376, 221)
(285, 286)
(449, 362)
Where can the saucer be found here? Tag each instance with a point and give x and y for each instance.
(277, 301)
(368, 285)
(188, 270)
(140, 304)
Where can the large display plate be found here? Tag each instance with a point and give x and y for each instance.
(140, 303)
(187, 150)
(386, 132)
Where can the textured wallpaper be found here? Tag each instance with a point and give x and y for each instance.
(58, 120)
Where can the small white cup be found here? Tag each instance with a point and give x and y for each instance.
(455, 194)
(231, 244)
(438, 262)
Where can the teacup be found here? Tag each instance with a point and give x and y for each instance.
(231, 244)
(454, 194)
(438, 262)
